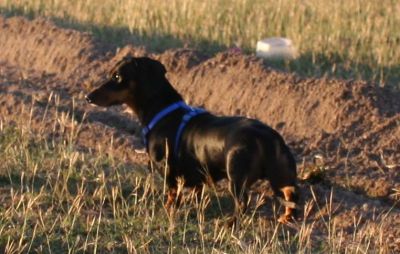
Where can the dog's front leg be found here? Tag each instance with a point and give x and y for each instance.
(174, 193)
(173, 198)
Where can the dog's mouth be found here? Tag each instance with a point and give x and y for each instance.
(88, 99)
(93, 101)
(102, 103)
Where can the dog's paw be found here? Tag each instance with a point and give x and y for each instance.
(231, 222)
(286, 219)
(170, 208)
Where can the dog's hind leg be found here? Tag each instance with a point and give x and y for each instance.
(282, 176)
(290, 200)
(286, 190)
(238, 162)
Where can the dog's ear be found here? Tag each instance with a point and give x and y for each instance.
(130, 59)
(149, 69)
(157, 68)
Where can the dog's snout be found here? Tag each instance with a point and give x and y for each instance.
(88, 99)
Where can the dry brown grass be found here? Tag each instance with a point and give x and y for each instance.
(57, 198)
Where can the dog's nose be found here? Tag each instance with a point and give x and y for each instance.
(88, 99)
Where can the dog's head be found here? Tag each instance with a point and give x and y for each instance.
(130, 80)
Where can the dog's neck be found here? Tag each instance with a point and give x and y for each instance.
(147, 107)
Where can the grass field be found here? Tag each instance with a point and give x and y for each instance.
(58, 198)
(348, 39)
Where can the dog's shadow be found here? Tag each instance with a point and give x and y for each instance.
(220, 207)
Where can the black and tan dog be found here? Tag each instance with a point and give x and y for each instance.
(201, 145)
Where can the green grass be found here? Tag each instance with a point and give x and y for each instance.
(346, 39)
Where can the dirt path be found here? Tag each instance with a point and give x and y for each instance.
(350, 129)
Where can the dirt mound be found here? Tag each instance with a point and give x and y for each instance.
(351, 127)
(41, 46)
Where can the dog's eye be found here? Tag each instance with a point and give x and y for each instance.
(116, 77)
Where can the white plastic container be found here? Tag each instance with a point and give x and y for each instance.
(276, 48)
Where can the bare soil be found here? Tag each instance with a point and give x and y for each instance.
(350, 130)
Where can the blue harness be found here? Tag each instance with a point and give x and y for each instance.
(190, 113)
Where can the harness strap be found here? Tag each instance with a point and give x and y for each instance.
(191, 112)
(185, 119)
(159, 116)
